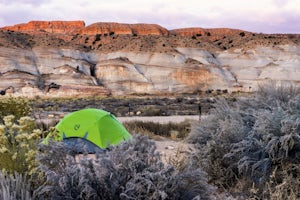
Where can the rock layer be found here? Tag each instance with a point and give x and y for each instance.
(119, 73)
(78, 27)
(60, 27)
(120, 59)
(207, 32)
(120, 29)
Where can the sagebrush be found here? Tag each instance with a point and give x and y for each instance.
(19, 145)
(16, 106)
(14, 187)
(132, 170)
(253, 142)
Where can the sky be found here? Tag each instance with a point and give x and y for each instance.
(260, 16)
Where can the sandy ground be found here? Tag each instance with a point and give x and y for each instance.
(160, 119)
(170, 150)
(173, 152)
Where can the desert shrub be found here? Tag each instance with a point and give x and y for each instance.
(214, 136)
(18, 145)
(131, 170)
(17, 106)
(14, 187)
(283, 184)
(254, 141)
(98, 37)
(272, 146)
(179, 159)
(272, 93)
(152, 111)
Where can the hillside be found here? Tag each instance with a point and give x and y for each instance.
(60, 58)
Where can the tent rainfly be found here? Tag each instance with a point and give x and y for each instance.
(97, 126)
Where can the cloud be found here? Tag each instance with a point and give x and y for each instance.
(22, 2)
(257, 16)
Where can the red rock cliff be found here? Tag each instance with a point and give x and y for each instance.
(78, 27)
(119, 29)
(202, 31)
(61, 27)
(188, 31)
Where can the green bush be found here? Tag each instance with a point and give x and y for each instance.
(16, 106)
(132, 170)
(18, 145)
(253, 142)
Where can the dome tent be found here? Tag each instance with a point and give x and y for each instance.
(94, 125)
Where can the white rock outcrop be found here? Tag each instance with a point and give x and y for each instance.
(30, 71)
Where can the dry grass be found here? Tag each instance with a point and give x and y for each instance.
(152, 129)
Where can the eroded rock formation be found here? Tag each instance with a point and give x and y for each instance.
(69, 59)
(61, 27)
(78, 27)
(121, 29)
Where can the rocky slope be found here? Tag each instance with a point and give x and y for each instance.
(70, 59)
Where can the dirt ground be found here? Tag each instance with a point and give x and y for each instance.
(170, 150)
(160, 119)
(173, 151)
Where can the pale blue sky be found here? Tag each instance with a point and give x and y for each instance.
(267, 16)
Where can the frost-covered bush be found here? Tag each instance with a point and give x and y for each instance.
(18, 145)
(14, 187)
(254, 142)
(131, 170)
(271, 93)
(214, 136)
(271, 148)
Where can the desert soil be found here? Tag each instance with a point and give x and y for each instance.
(159, 119)
(170, 150)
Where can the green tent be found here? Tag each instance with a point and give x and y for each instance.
(95, 125)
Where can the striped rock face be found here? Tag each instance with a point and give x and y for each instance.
(69, 59)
